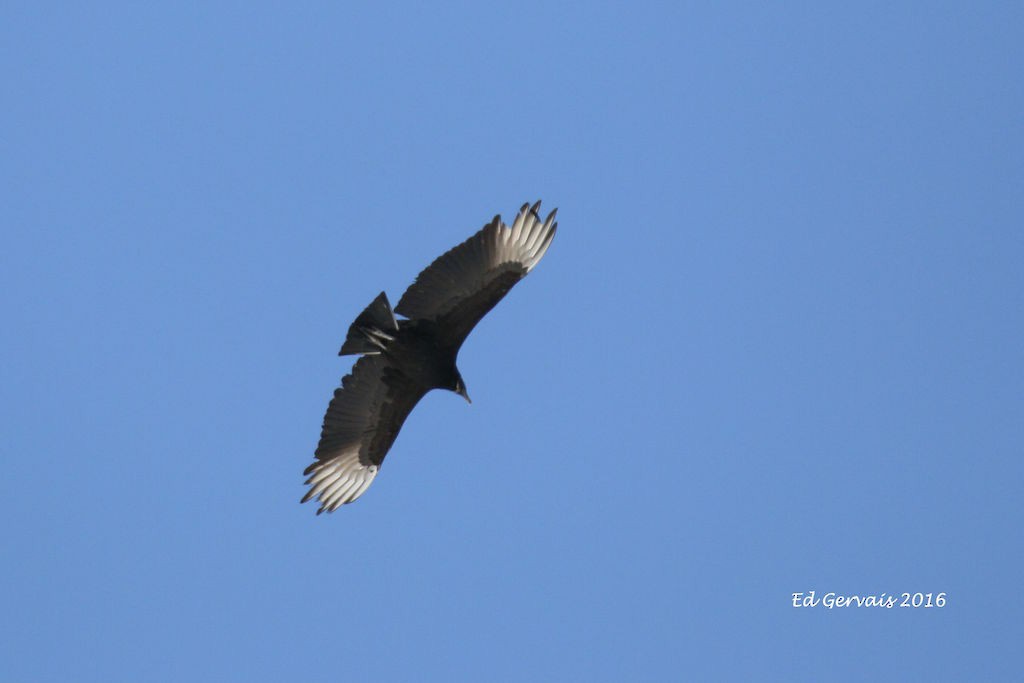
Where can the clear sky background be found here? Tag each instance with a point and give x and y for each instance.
(776, 346)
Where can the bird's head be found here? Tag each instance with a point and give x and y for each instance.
(460, 388)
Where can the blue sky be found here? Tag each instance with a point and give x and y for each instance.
(776, 346)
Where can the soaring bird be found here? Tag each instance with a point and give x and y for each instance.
(404, 359)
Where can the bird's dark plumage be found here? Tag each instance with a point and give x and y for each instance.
(404, 359)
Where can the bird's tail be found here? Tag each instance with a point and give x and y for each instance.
(372, 330)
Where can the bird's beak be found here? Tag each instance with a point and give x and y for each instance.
(465, 395)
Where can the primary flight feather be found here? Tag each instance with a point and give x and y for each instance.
(404, 359)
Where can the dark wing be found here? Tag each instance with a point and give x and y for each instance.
(461, 286)
(361, 423)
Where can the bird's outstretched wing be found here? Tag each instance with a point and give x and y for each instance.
(460, 287)
(361, 423)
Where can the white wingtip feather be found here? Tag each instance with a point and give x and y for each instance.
(542, 249)
(340, 481)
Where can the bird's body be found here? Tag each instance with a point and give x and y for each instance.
(420, 353)
(402, 360)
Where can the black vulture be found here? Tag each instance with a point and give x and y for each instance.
(404, 359)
